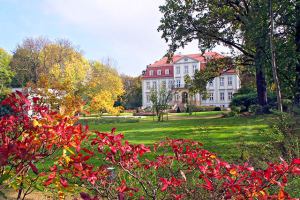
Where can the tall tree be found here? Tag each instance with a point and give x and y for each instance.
(132, 97)
(160, 101)
(273, 59)
(26, 61)
(6, 74)
(102, 88)
(240, 25)
(297, 41)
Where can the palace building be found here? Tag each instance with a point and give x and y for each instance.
(171, 76)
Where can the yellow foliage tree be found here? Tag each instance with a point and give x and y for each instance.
(62, 76)
(104, 86)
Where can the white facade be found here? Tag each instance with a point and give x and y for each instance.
(220, 90)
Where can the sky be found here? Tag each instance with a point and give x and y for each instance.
(122, 30)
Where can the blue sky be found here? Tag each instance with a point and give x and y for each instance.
(124, 30)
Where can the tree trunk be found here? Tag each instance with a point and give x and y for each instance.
(297, 41)
(261, 84)
(273, 61)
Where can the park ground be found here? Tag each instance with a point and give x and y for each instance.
(235, 139)
(228, 137)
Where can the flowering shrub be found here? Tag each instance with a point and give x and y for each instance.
(103, 165)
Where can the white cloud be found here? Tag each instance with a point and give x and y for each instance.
(125, 30)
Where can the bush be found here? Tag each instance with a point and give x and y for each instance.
(246, 100)
(217, 109)
(236, 109)
(144, 114)
(231, 114)
(287, 105)
(256, 109)
(203, 108)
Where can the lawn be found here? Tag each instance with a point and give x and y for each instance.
(223, 136)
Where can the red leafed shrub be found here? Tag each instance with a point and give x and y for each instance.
(29, 135)
(105, 166)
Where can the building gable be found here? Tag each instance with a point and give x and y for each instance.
(186, 59)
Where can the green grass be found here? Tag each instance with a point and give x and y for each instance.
(219, 135)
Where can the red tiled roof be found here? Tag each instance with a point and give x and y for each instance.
(199, 57)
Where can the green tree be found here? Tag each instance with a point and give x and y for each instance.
(239, 25)
(160, 101)
(6, 74)
(132, 97)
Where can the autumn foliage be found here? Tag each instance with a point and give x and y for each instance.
(105, 165)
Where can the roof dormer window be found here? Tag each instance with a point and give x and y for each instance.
(151, 72)
(159, 72)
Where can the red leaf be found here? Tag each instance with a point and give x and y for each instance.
(208, 185)
(78, 166)
(296, 170)
(48, 182)
(296, 161)
(165, 183)
(33, 167)
(88, 151)
(63, 182)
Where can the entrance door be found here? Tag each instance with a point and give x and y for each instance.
(184, 97)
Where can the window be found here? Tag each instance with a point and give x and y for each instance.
(170, 84)
(148, 85)
(229, 95)
(221, 81)
(148, 98)
(211, 83)
(195, 68)
(178, 83)
(185, 59)
(222, 96)
(154, 85)
(186, 69)
(167, 72)
(211, 96)
(229, 81)
(163, 84)
(159, 72)
(151, 73)
(177, 97)
(178, 70)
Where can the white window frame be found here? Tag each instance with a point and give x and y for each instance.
(177, 69)
(167, 71)
(170, 84)
(211, 83)
(186, 69)
(164, 84)
(222, 96)
(178, 83)
(195, 68)
(151, 72)
(159, 72)
(229, 80)
(154, 85)
(147, 98)
(148, 85)
(222, 81)
(230, 95)
(211, 96)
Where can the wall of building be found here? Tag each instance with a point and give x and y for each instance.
(186, 66)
